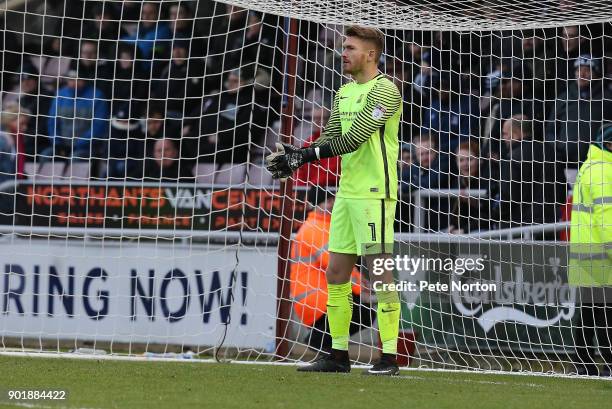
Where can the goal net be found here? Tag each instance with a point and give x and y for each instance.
(137, 218)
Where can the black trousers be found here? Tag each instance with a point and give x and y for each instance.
(320, 339)
(594, 332)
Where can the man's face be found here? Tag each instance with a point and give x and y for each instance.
(425, 153)
(154, 124)
(179, 54)
(254, 27)
(28, 86)
(103, 20)
(178, 18)
(164, 153)
(415, 50)
(511, 133)
(126, 60)
(89, 53)
(467, 164)
(232, 83)
(356, 53)
(570, 40)
(19, 124)
(148, 15)
(75, 83)
(584, 75)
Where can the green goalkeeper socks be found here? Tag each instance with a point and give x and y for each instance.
(388, 320)
(339, 313)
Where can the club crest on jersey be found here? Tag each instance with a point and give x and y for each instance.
(378, 111)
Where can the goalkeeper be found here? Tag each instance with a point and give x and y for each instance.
(363, 130)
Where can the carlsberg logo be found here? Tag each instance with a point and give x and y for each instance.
(538, 293)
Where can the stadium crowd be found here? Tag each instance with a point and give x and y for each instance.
(149, 90)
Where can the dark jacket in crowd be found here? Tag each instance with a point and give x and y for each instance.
(474, 213)
(454, 120)
(532, 185)
(576, 118)
(227, 122)
(125, 146)
(434, 177)
(182, 85)
(179, 171)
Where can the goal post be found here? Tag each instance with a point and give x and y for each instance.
(137, 217)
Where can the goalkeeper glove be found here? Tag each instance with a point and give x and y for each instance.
(287, 159)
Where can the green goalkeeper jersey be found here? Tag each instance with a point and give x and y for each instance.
(363, 129)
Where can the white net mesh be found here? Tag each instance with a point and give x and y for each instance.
(137, 217)
(444, 16)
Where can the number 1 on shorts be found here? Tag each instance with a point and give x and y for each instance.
(373, 227)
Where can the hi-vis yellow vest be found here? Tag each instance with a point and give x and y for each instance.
(590, 257)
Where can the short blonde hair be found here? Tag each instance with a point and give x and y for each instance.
(372, 35)
(9, 112)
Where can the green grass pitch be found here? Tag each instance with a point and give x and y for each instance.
(100, 384)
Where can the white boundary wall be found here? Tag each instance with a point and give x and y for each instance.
(136, 293)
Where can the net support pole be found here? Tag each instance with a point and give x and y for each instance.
(288, 196)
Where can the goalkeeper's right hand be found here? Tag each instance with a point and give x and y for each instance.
(287, 159)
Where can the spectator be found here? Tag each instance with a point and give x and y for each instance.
(532, 181)
(181, 82)
(13, 124)
(449, 113)
(571, 45)
(125, 146)
(324, 68)
(154, 127)
(129, 84)
(579, 112)
(428, 168)
(92, 69)
(469, 212)
(152, 37)
(511, 97)
(325, 172)
(105, 31)
(423, 77)
(308, 286)
(51, 65)
(180, 17)
(229, 122)
(536, 56)
(401, 74)
(227, 31)
(312, 123)
(78, 120)
(165, 165)
(227, 27)
(33, 98)
(590, 263)
(129, 11)
(258, 43)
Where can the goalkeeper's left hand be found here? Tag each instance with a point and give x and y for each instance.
(287, 159)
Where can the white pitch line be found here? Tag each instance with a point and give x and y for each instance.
(136, 358)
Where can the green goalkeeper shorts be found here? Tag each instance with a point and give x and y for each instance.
(362, 226)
